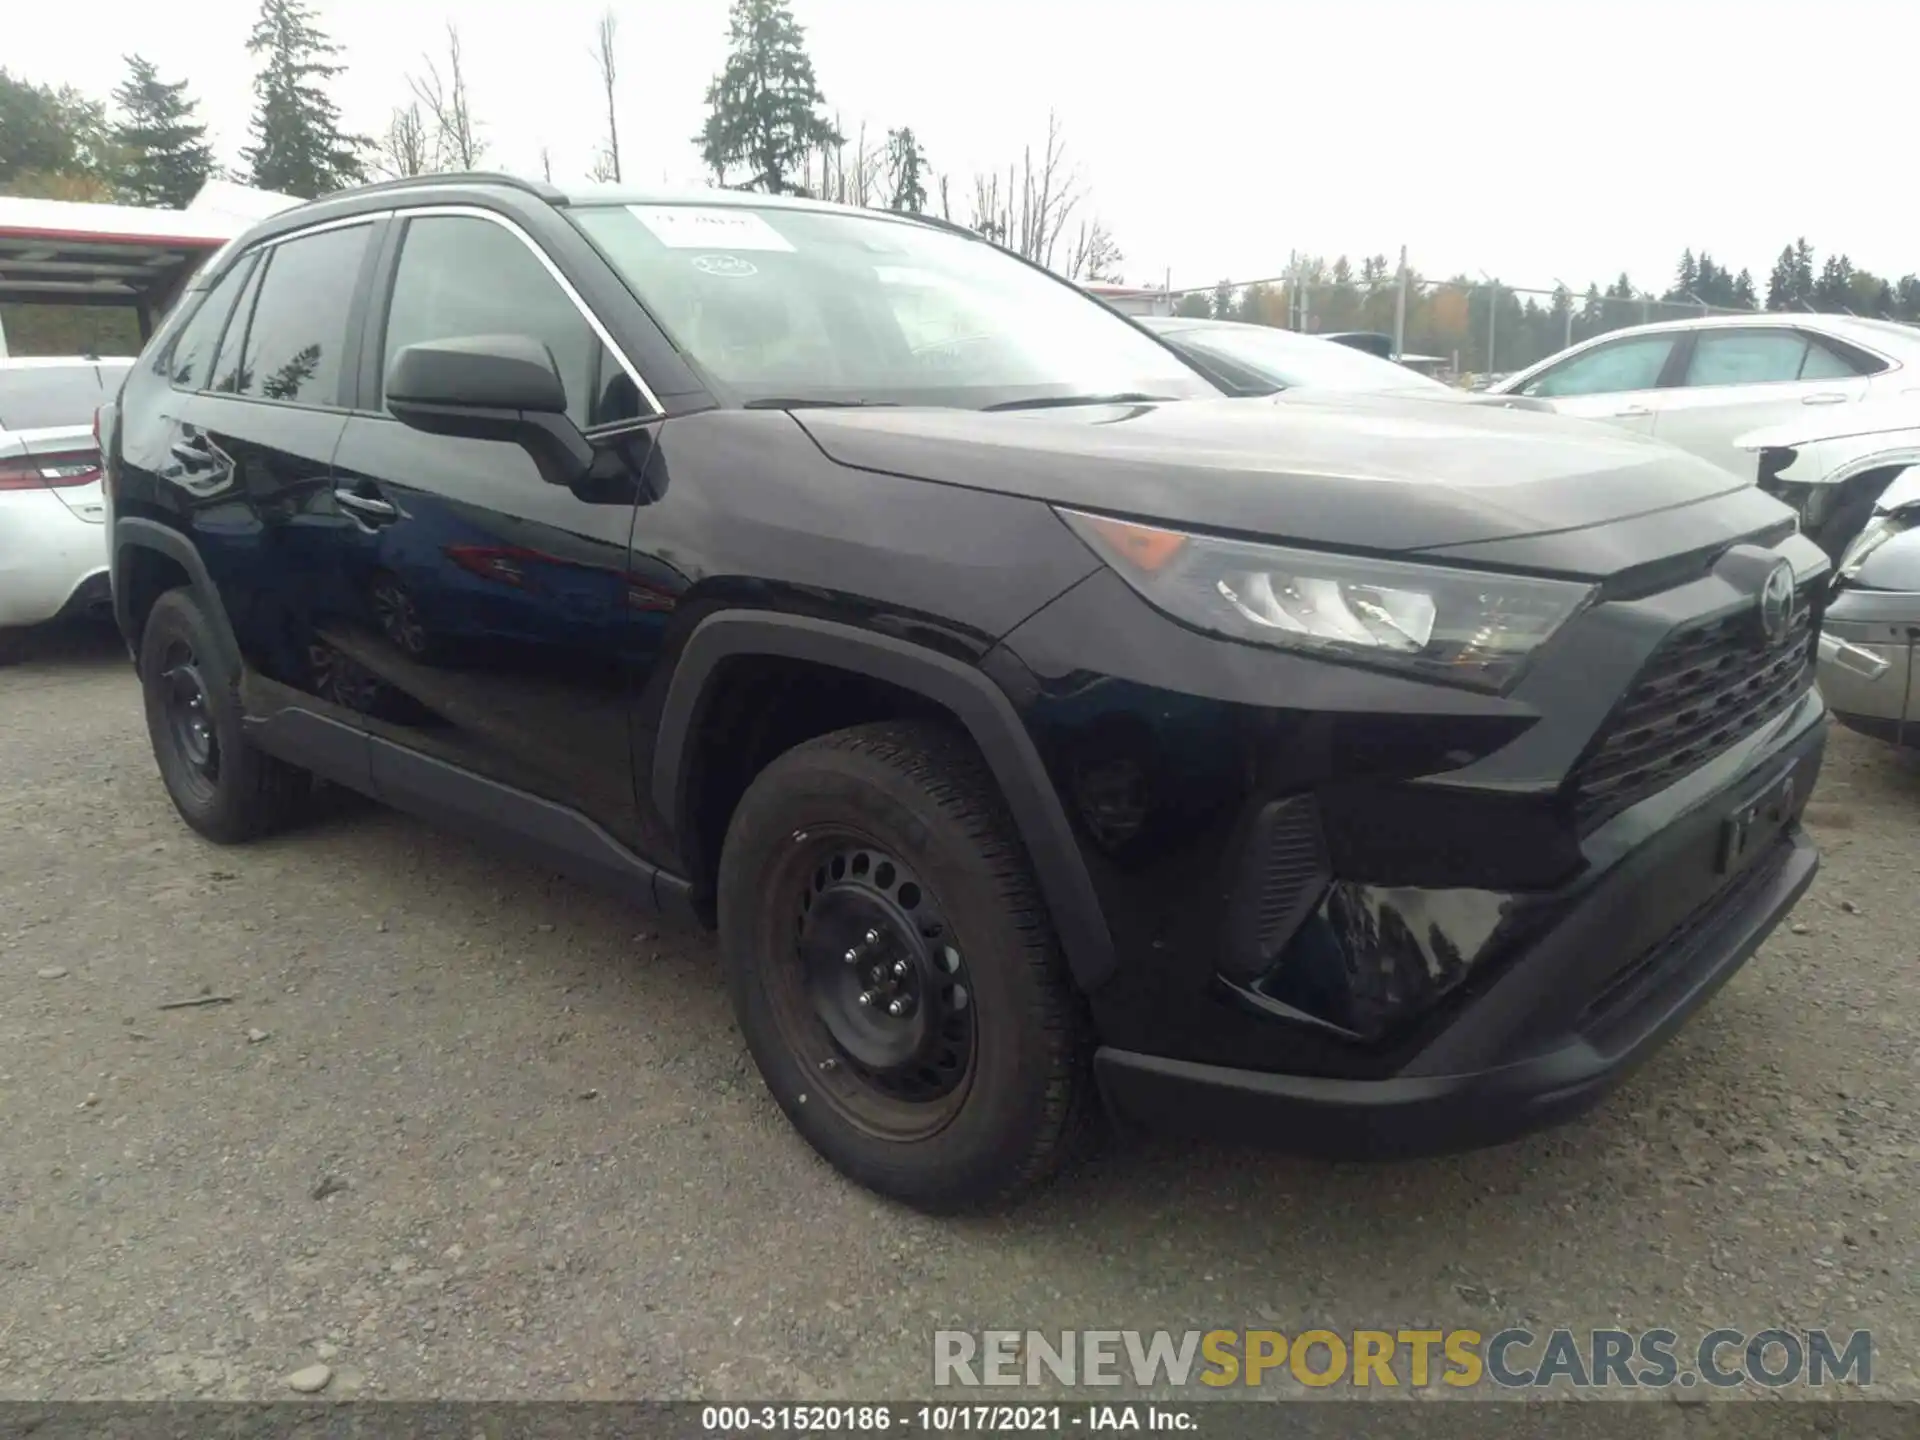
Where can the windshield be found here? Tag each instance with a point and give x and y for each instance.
(50, 397)
(825, 307)
(1295, 360)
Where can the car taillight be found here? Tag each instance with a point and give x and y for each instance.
(60, 471)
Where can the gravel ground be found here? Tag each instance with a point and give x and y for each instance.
(467, 1130)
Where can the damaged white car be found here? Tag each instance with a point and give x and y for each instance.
(1834, 468)
(1872, 623)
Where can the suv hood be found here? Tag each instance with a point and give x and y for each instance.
(1372, 472)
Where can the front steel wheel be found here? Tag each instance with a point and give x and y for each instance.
(894, 972)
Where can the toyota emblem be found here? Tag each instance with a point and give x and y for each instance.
(1776, 604)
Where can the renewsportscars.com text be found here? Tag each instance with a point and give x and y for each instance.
(1412, 1359)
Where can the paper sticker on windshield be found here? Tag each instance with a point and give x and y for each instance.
(730, 266)
(687, 227)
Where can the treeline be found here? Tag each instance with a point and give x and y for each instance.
(769, 127)
(1484, 326)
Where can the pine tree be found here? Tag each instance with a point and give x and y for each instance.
(163, 157)
(764, 107)
(1744, 294)
(1688, 278)
(298, 147)
(1834, 289)
(906, 171)
(54, 144)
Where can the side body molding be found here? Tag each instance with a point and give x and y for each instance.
(979, 704)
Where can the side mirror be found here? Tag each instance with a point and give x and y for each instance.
(491, 387)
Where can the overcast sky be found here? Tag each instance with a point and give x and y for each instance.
(1534, 141)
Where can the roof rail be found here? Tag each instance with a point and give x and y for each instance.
(457, 177)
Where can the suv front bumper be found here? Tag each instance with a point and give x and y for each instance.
(1557, 1027)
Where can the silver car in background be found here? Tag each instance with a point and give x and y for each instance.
(1704, 384)
(1248, 359)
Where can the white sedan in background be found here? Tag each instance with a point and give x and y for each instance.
(53, 539)
(1704, 384)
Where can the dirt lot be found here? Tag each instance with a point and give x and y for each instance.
(468, 1130)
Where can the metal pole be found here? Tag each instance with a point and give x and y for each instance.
(1493, 326)
(1400, 309)
(1493, 317)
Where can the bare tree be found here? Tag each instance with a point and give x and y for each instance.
(546, 165)
(1028, 209)
(405, 149)
(1095, 257)
(607, 164)
(456, 141)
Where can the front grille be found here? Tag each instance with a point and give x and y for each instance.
(1706, 687)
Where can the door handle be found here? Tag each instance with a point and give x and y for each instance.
(368, 507)
(191, 452)
(1632, 412)
(1826, 397)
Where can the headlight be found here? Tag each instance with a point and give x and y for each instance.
(1463, 627)
(1878, 530)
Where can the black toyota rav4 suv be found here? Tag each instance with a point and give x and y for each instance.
(1035, 724)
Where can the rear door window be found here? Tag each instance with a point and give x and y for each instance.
(47, 397)
(298, 334)
(1746, 357)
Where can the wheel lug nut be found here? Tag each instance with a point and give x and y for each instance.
(897, 1007)
(867, 997)
(872, 937)
(852, 957)
(900, 967)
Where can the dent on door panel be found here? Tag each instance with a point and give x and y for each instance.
(487, 622)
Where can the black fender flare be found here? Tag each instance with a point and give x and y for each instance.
(979, 704)
(132, 533)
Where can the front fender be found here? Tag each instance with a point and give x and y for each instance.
(965, 692)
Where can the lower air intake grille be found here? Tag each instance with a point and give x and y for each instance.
(1706, 687)
(1283, 874)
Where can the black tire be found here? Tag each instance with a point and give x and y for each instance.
(14, 644)
(910, 799)
(222, 786)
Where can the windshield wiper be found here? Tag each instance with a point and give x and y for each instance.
(813, 402)
(1051, 402)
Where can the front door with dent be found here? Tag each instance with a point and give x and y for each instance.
(486, 622)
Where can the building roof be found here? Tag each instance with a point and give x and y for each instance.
(73, 252)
